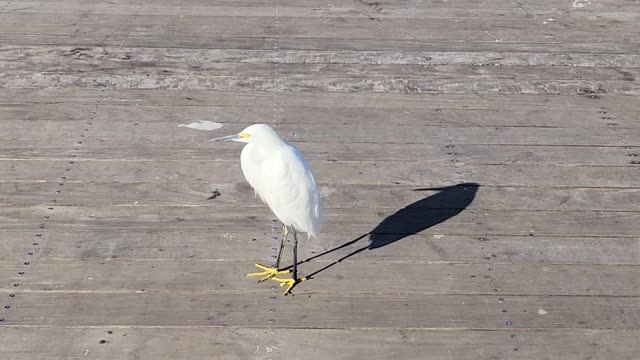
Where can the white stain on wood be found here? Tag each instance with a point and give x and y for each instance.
(203, 125)
(581, 3)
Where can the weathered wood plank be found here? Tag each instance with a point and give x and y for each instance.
(50, 112)
(384, 4)
(161, 171)
(356, 221)
(338, 44)
(587, 117)
(327, 172)
(520, 29)
(331, 310)
(354, 277)
(346, 344)
(430, 245)
(183, 31)
(318, 83)
(60, 149)
(513, 175)
(129, 130)
(379, 11)
(152, 134)
(619, 109)
(295, 23)
(71, 59)
(62, 131)
(191, 97)
(334, 196)
(473, 154)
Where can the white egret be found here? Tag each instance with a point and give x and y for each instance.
(279, 173)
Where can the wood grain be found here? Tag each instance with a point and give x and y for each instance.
(353, 276)
(329, 310)
(349, 344)
(319, 114)
(448, 221)
(430, 245)
(361, 172)
(334, 196)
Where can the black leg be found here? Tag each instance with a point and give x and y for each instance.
(295, 253)
(285, 233)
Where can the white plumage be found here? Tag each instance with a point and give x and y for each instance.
(279, 173)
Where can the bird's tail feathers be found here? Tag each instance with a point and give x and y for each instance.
(316, 221)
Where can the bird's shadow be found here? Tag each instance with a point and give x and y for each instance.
(412, 219)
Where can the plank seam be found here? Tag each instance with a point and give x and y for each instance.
(588, 331)
(564, 330)
(356, 293)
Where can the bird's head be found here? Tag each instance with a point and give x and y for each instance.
(253, 133)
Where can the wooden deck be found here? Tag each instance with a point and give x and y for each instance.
(492, 146)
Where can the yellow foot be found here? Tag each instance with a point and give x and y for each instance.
(289, 283)
(268, 272)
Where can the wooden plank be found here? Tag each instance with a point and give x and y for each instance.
(357, 221)
(586, 176)
(161, 171)
(376, 344)
(168, 97)
(353, 277)
(471, 154)
(332, 310)
(490, 36)
(385, 4)
(429, 245)
(177, 40)
(127, 131)
(182, 31)
(60, 149)
(313, 83)
(519, 29)
(58, 112)
(327, 172)
(248, 24)
(38, 130)
(587, 117)
(334, 196)
(542, 155)
(616, 107)
(577, 118)
(26, 170)
(70, 59)
(380, 11)
(407, 173)
(153, 132)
